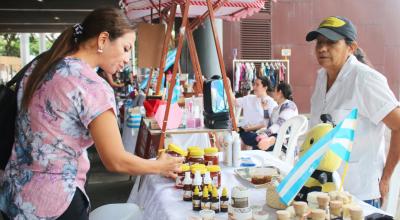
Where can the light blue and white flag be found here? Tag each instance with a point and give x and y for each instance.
(339, 140)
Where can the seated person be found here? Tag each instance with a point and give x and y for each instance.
(257, 109)
(285, 110)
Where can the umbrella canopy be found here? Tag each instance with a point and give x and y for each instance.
(231, 10)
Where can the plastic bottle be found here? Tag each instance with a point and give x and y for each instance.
(197, 182)
(228, 149)
(215, 200)
(187, 187)
(205, 201)
(236, 148)
(207, 179)
(196, 199)
(224, 200)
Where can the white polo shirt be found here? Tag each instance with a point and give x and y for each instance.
(253, 112)
(358, 86)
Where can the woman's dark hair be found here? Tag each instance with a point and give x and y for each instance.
(286, 90)
(111, 20)
(362, 57)
(266, 83)
(360, 54)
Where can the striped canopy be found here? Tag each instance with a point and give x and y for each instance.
(231, 10)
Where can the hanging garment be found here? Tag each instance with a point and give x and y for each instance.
(281, 73)
(272, 75)
(238, 68)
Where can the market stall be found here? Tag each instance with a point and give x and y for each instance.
(159, 198)
(200, 10)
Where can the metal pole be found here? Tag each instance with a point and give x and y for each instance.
(227, 86)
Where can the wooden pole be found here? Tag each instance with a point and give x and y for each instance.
(201, 19)
(165, 47)
(174, 71)
(227, 86)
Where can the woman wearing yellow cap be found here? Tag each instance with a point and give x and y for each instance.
(344, 83)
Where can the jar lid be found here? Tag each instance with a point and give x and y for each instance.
(199, 167)
(185, 167)
(201, 170)
(211, 150)
(193, 148)
(213, 168)
(240, 192)
(176, 149)
(197, 152)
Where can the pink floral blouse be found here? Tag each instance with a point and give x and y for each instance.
(49, 159)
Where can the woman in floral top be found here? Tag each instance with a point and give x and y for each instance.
(285, 110)
(65, 107)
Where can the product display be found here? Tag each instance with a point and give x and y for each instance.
(211, 156)
(215, 174)
(240, 197)
(196, 156)
(215, 200)
(187, 187)
(176, 151)
(179, 179)
(224, 201)
(205, 201)
(196, 199)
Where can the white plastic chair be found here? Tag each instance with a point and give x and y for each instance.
(298, 125)
(119, 211)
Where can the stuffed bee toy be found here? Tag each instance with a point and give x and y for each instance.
(322, 177)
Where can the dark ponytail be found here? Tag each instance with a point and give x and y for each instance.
(111, 20)
(286, 90)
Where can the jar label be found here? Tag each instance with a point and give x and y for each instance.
(196, 203)
(224, 204)
(215, 181)
(205, 205)
(187, 194)
(214, 206)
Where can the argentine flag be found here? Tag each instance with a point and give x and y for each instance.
(339, 140)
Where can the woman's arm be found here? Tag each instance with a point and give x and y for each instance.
(105, 133)
(287, 111)
(392, 120)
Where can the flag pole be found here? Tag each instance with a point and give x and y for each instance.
(346, 167)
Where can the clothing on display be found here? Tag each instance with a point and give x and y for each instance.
(246, 72)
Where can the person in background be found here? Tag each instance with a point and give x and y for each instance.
(109, 79)
(257, 110)
(285, 110)
(63, 108)
(344, 83)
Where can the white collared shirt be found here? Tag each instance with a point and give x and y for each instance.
(358, 86)
(253, 112)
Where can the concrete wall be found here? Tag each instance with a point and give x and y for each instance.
(378, 29)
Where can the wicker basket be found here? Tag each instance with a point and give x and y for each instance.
(273, 199)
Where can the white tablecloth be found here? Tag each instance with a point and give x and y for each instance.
(160, 200)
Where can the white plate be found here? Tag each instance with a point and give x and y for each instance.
(246, 173)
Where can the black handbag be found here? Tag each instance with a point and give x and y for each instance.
(8, 113)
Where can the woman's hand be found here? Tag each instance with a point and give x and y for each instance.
(169, 166)
(264, 104)
(265, 142)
